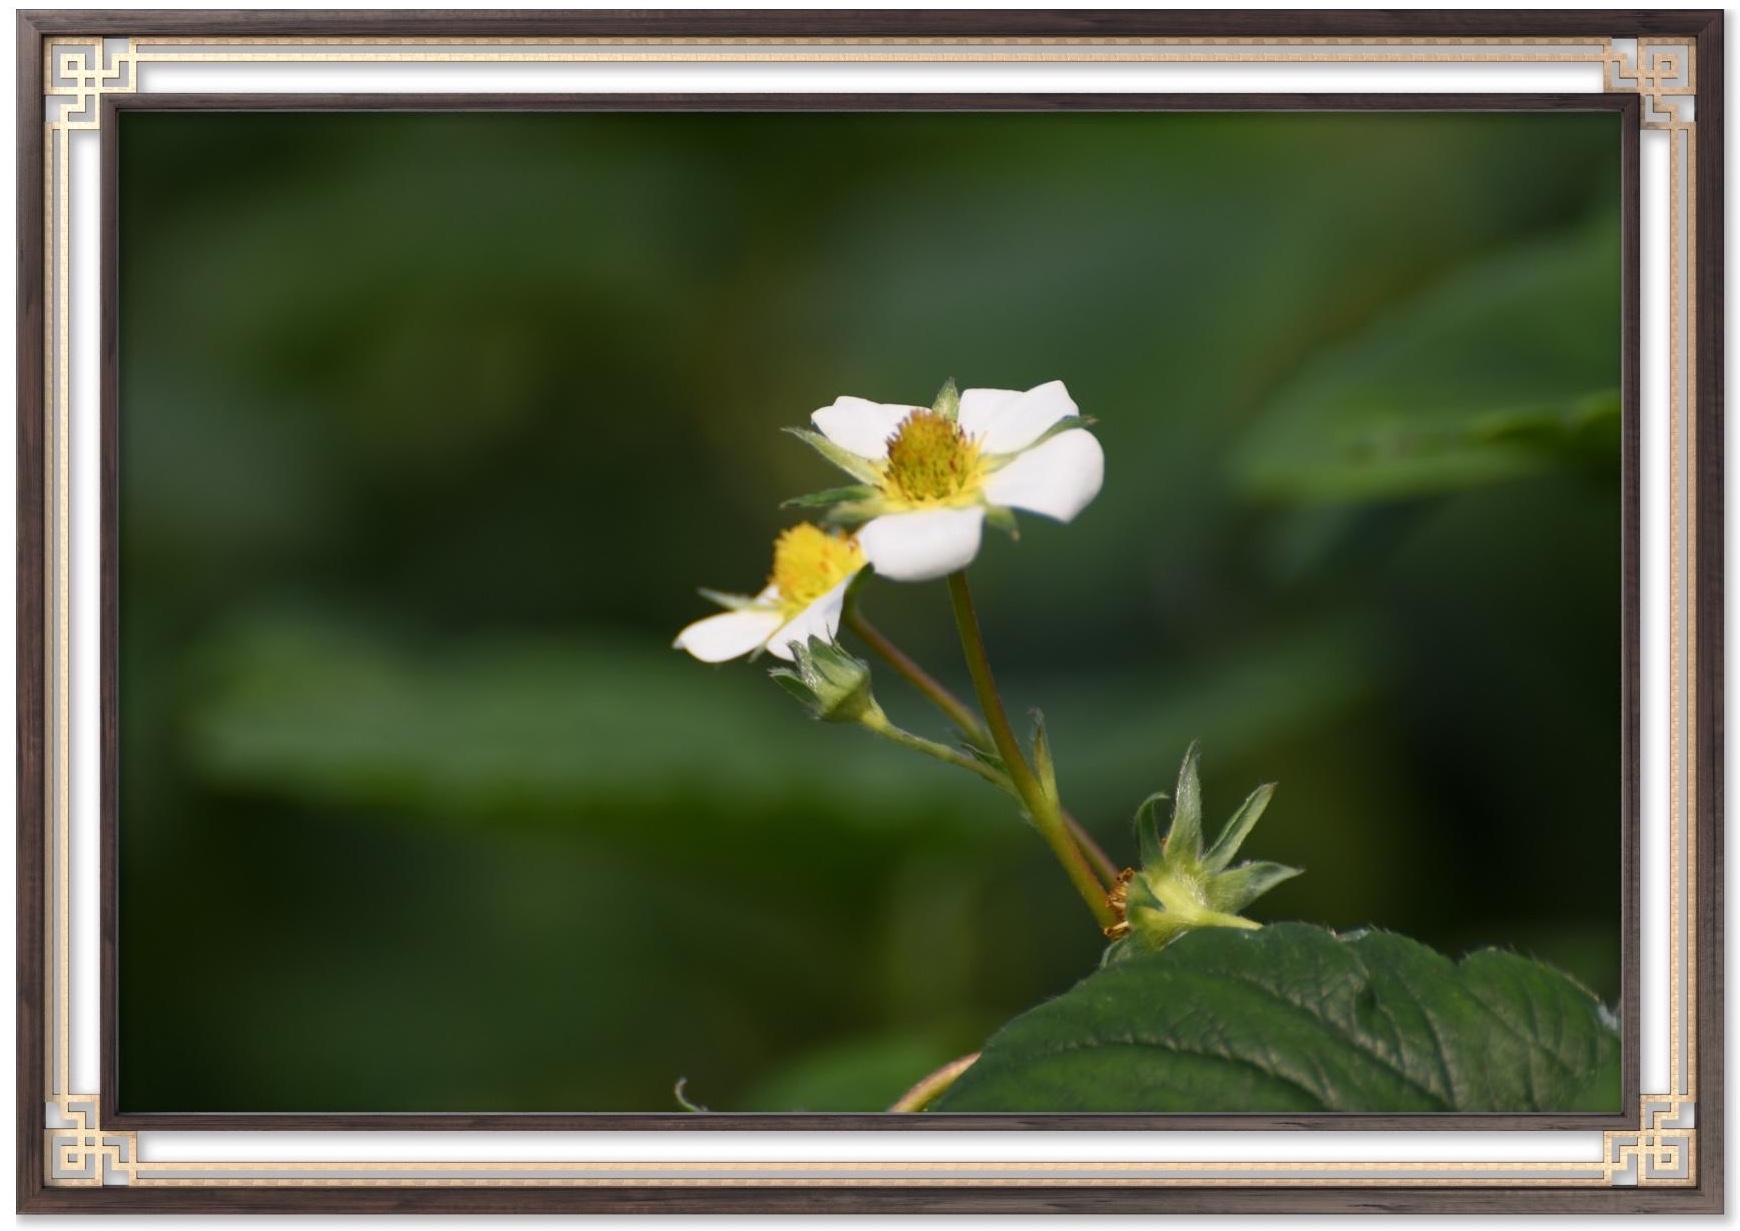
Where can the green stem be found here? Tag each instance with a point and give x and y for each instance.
(877, 722)
(1047, 816)
(968, 722)
(919, 678)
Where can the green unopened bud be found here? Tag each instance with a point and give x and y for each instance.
(1180, 887)
(832, 684)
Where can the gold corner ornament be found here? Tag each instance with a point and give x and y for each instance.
(76, 75)
(1663, 74)
(80, 1154)
(1662, 1150)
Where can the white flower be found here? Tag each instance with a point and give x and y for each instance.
(929, 477)
(812, 570)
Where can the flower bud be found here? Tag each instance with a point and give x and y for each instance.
(833, 685)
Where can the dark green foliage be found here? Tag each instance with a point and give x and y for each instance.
(1296, 1018)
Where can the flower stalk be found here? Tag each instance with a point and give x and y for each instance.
(877, 723)
(1042, 805)
(968, 724)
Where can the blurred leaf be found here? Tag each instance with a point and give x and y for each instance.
(1116, 733)
(1509, 367)
(575, 730)
(1296, 1018)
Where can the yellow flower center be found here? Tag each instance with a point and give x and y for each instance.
(808, 562)
(930, 461)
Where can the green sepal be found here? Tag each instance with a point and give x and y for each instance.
(948, 401)
(860, 468)
(793, 683)
(733, 602)
(1117, 951)
(1233, 891)
(1178, 889)
(1070, 423)
(856, 513)
(991, 761)
(1042, 762)
(1150, 847)
(984, 756)
(1003, 519)
(833, 495)
(1141, 896)
(831, 683)
(1250, 812)
(1185, 836)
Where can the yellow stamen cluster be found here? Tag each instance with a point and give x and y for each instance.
(930, 461)
(808, 562)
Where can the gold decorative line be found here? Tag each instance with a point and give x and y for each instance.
(1689, 1062)
(50, 333)
(853, 1182)
(1448, 1165)
(1676, 579)
(1658, 1151)
(838, 57)
(62, 591)
(867, 40)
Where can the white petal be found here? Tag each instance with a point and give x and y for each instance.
(1005, 422)
(980, 407)
(731, 634)
(820, 619)
(922, 545)
(1057, 479)
(859, 426)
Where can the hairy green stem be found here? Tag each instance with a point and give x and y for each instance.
(877, 722)
(968, 722)
(1047, 816)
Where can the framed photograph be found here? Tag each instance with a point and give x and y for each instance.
(870, 611)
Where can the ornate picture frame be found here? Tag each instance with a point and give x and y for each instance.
(80, 71)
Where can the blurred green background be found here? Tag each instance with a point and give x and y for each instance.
(431, 425)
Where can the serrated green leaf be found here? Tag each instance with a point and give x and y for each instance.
(860, 468)
(1294, 1018)
(833, 495)
(1185, 836)
(1232, 837)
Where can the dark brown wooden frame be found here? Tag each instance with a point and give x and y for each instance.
(34, 27)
